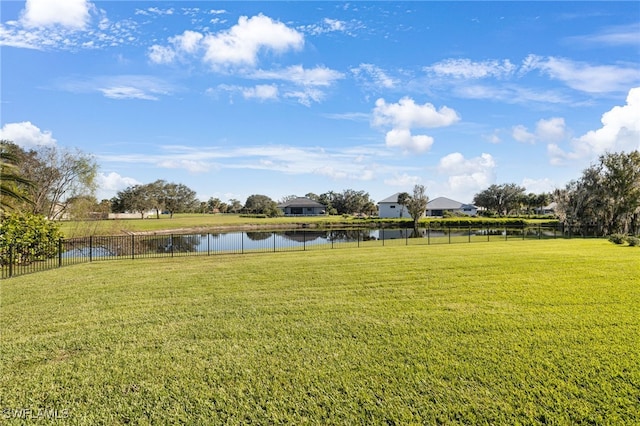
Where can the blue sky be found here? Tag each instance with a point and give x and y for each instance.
(281, 98)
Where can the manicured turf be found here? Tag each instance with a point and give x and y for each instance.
(519, 332)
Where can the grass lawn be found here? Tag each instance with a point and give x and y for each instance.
(519, 332)
(185, 223)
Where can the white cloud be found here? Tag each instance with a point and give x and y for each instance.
(126, 92)
(110, 184)
(403, 180)
(553, 129)
(327, 25)
(538, 186)
(584, 77)
(64, 25)
(493, 137)
(407, 114)
(468, 69)
(613, 36)
(240, 45)
(161, 54)
(521, 134)
(237, 46)
(547, 130)
(620, 131)
(193, 166)
(72, 14)
(297, 74)
(187, 43)
(26, 135)
(143, 87)
(261, 92)
(114, 182)
(466, 177)
(379, 78)
(510, 94)
(402, 138)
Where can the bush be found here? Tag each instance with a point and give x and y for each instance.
(617, 238)
(633, 241)
(25, 238)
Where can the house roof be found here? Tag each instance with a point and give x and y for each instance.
(301, 202)
(390, 199)
(443, 203)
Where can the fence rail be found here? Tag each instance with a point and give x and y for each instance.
(19, 260)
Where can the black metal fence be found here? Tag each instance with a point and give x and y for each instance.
(24, 260)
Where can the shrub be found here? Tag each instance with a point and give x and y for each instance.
(617, 238)
(25, 237)
(633, 241)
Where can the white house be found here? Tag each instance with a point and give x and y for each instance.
(389, 208)
(438, 206)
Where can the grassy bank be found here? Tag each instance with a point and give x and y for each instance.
(185, 223)
(532, 332)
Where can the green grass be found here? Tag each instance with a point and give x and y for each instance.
(535, 332)
(186, 223)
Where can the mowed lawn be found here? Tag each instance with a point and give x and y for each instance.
(518, 332)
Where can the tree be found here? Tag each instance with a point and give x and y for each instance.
(178, 198)
(261, 204)
(403, 200)
(134, 199)
(606, 197)
(12, 184)
(214, 204)
(502, 199)
(417, 204)
(234, 205)
(58, 175)
(287, 198)
(349, 201)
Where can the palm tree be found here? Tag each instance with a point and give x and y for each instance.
(10, 181)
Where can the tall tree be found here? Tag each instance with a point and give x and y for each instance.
(403, 200)
(607, 196)
(58, 175)
(12, 185)
(417, 204)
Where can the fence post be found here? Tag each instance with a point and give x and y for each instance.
(469, 232)
(406, 237)
(59, 252)
(133, 243)
(274, 241)
(10, 260)
(304, 240)
(428, 233)
(382, 236)
(171, 245)
(358, 237)
(524, 230)
(208, 244)
(242, 243)
(449, 226)
(539, 231)
(91, 248)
